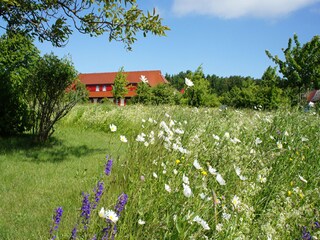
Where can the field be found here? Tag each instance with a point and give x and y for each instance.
(188, 173)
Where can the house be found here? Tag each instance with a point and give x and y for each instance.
(100, 85)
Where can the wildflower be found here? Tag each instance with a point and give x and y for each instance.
(220, 180)
(56, 221)
(102, 213)
(202, 196)
(111, 215)
(123, 139)
(122, 201)
(306, 235)
(178, 161)
(235, 201)
(212, 170)
(188, 82)
(235, 140)
(304, 139)
(154, 175)
(146, 144)
(108, 166)
(186, 190)
(226, 135)
(74, 233)
(185, 179)
(261, 179)
(258, 141)
(289, 193)
(175, 171)
(141, 222)
(279, 145)
(85, 210)
(98, 193)
(202, 222)
(140, 138)
(167, 188)
(302, 179)
(142, 178)
(143, 79)
(219, 227)
(226, 216)
(204, 173)
(113, 127)
(196, 164)
(216, 137)
(238, 172)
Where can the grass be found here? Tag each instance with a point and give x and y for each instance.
(264, 158)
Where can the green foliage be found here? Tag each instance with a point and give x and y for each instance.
(144, 93)
(52, 92)
(199, 94)
(163, 94)
(17, 59)
(50, 20)
(119, 88)
(301, 67)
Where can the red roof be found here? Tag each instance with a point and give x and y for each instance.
(154, 77)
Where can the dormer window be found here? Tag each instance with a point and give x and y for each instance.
(104, 88)
(97, 88)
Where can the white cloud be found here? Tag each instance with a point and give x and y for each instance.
(240, 8)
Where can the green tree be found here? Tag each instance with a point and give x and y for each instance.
(199, 94)
(52, 92)
(144, 93)
(17, 59)
(55, 20)
(163, 94)
(119, 88)
(301, 67)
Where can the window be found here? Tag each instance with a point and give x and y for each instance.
(97, 88)
(104, 88)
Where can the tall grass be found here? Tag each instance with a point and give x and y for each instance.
(188, 173)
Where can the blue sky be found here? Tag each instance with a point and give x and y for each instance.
(226, 37)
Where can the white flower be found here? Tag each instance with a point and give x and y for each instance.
(202, 196)
(235, 140)
(286, 133)
(235, 201)
(175, 171)
(146, 144)
(302, 179)
(188, 82)
(219, 227)
(143, 79)
(140, 138)
(220, 180)
(102, 213)
(196, 164)
(258, 141)
(167, 188)
(238, 172)
(185, 179)
(111, 215)
(154, 175)
(123, 139)
(141, 222)
(226, 135)
(187, 190)
(261, 179)
(279, 145)
(113, 127)
(216, 137)
(304, 139)
(226, 216)
(202, 222)
(212, 170)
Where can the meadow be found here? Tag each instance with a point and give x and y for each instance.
(176, 173)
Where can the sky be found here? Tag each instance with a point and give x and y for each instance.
(225, 37)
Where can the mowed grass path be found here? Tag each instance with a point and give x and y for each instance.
(37, 179)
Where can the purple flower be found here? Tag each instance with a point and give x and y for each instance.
(108, 166)
(74, 233)
(56, 221)
(85, 210)
(122, 201)
(94, 237)
(317, 224)
(98, 193)
(306, 235)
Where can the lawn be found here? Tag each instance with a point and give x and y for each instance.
(204, 173)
